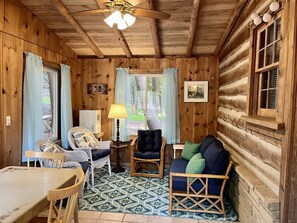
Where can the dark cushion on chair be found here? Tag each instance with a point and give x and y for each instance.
(84, 166)
(180, 183)
(147, 155)
(149, 140)
(216, 159)
(100, 153)
(206, 142)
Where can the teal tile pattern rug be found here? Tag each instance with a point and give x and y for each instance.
(138, 195)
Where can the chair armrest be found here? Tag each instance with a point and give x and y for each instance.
(134, 141)
(75, 155)
(103, 144)
(88, 152)
(192, 175)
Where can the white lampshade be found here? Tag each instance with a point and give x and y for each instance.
(117, 111)
(115, 17)
(257, 20)
(266, 17)
(129, 19)
(274, 6)
(254, 15)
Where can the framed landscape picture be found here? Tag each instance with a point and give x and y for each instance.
(196, 91)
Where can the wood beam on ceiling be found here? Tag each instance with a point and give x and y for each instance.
(154, 32)
(119, 35)
(193, 27)
(64, 11)
(232, 21)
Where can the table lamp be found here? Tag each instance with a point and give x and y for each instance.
(117, 111)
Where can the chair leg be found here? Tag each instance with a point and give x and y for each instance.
(223, 207)
(109, 167)
(92, 172)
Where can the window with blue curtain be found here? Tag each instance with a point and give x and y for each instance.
(151, 102)
(42, 102)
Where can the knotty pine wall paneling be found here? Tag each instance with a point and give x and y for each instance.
(21, 31)
(1, 106)
(1, 14)
(196, 119)
(12, 96)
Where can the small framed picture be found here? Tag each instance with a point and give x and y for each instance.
(196, 91)
(97, 88)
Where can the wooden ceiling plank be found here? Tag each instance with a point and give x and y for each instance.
(233, 19)
(63, 10)
(193, 27)
(154, 32)
(119, 35)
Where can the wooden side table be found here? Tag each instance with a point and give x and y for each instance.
(118, 146)
(175, 147)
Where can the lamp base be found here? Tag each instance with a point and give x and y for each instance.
(118, 170)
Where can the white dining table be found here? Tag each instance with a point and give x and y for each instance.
(23, 190)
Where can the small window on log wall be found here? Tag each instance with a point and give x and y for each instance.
(267, 54)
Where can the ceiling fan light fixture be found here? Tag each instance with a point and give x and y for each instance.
(129, 19)
(122, 24)
(114, 17)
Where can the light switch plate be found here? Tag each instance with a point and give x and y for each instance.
(8, 121)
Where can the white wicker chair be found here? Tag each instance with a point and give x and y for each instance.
(94, 163)
(73, 159)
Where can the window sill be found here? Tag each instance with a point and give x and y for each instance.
(263, 121)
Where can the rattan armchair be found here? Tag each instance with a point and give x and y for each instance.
(148, 148)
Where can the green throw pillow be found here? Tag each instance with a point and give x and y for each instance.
(190, 149)
(196, 164)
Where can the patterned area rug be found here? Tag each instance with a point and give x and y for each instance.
(138, 195)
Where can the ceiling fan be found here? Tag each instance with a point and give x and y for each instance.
(123, 11)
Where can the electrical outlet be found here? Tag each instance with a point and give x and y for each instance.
(8, 121)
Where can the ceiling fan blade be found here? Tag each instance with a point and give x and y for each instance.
(135, 2)
(151, 13)
(90, 12)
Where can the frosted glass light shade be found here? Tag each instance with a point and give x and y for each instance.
(274, 6)
(254, 15)
(122, 24)
(115, 17)
(257, 20)
(129, 19)
(266, 17)
(117, 111)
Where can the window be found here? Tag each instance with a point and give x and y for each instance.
(144, 103)
(50, 103)
(267, 68)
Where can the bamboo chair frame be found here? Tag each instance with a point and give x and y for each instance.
(46, 159)
(135, 162)
(197, 198)
(69, 193)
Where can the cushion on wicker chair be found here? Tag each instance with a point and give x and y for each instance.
(100, 153)
(83, 140)
(149, 140)
(207, 140)
(147, 155)
(180, 183)
(48, 147)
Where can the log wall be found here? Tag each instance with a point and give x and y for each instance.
(260, 153)
(21, 31)
(196, 119)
